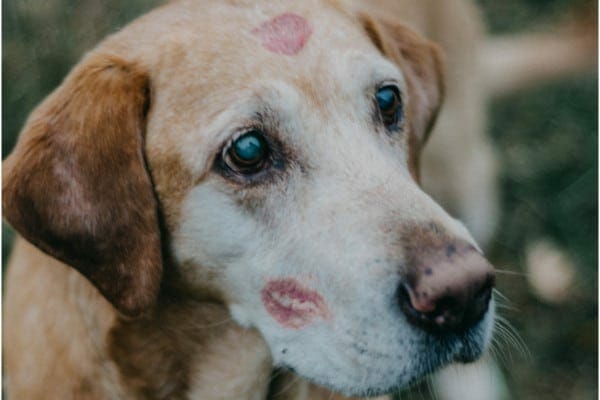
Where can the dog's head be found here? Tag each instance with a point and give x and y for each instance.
(271, 151)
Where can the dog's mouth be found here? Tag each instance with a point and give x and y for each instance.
(374, 372)
(442, 350)
(463, 346)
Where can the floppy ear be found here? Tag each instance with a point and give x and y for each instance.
(421, 64)
(76, 185)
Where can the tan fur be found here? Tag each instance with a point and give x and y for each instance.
(54, 327)
(189, 347)
(120, 204)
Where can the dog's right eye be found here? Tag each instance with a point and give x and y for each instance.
(248, 153)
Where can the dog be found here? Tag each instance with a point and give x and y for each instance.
(222, 188)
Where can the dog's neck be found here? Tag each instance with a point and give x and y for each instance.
(184, 347)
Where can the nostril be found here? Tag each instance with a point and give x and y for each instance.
(482, 299)
(430, 318)
(406, 303)
(414, 316)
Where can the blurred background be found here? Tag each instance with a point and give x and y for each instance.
(545, 244)
(548, 142)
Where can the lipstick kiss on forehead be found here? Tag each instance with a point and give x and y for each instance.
(285, 34)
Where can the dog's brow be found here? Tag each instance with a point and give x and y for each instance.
(285, 34)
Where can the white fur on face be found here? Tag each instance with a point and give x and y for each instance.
(311, 258)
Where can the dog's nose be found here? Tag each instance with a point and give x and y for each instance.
(448, 288)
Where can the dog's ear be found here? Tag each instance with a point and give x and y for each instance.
(76, 185)
(421, 64)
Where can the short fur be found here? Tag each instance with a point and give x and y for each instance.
(117, 176)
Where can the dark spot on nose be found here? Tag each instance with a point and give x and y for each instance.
(428, 271)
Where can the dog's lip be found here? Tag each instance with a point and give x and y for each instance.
(430, 351)
(293, 305)
(462, 347)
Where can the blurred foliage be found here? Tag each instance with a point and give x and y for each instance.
(547, 138)
(42, 40)
(548, 142)
(516, 15)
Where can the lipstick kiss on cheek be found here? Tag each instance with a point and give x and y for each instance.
(292, 305)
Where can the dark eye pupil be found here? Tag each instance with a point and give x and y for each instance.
(249, 150)
(390, 106)
(386, 99)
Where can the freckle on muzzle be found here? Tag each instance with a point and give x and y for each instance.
(448, 283)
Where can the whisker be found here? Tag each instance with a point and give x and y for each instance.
(509, 272)
(431, 388)
(503, 302)
(497, 353)
(511, 337)
(506, 341)
(288, 386)
(498, 295)
(502, 347)
(275, 374)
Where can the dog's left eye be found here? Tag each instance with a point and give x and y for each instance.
(248, 153)
(390, 105)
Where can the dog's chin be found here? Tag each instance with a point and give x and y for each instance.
(436, 351)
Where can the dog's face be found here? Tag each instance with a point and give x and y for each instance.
(280, 148)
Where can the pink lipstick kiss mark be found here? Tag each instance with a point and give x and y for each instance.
(285, 34)
(293, 305)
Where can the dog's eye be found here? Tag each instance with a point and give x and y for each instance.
(390, 105)
(247, 153)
